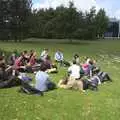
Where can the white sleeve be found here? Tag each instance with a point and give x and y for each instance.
(69, 69)
(42, 54)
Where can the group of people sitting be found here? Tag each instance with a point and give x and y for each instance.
(79, 76)
(83, 76)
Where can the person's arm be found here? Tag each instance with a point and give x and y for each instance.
(69, 70)
(42, 54)
(56, 56)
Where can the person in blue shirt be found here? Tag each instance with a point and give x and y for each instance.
(59, 57)
(42, 83)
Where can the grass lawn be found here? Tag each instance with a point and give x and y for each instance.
(63, 104)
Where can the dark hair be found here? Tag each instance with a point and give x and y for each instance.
(25, 52)
(43, 67)
(74, 62)
(76, 56)
(91, 62)
(1, 57)
(46, 49)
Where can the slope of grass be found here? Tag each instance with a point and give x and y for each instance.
(65, 104)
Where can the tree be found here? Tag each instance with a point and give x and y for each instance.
(65, 22)
(4, 19)
(90, 27)
(101, 22)
(16, 13)
(20, 11)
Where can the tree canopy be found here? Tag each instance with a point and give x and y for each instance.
(17, 20)
(13, 18)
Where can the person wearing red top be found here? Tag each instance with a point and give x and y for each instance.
(32, 60)
(19, 63)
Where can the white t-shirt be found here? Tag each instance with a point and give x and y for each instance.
(43, 55)
(74, 71)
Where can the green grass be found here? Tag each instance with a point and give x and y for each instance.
(63, 104)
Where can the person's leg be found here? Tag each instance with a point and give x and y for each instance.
(106, 77)
(51, 86)
(93, 87)
(62, 83)
(80, 86)
(30, 89)
(11, 81)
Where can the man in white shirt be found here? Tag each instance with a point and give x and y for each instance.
(74, 71)
(44, 54)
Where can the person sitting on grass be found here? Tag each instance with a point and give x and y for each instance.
(83, 84)
(19, 64)
(59, 57)
(51, 68)
(42, 84)
(74, 71)
(32, 59)
(44, 54)
(31, 65)
(73, 84)
(7, 76)
(88, 66)
(12, 58)
(77, 59)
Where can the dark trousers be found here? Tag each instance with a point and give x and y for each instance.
(10, 82)
(27, 88)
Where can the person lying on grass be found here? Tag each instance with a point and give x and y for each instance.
(103, 76)
(42, 84)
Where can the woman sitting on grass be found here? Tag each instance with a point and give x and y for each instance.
(88, 67)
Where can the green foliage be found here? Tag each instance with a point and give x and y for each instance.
(68, 22)
(13, 18)
(101, 22)
(18, 21)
